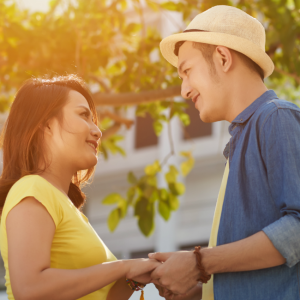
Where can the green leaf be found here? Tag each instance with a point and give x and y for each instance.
(158, 127)
(163, 194)
(187, 165)
(131, 178)
(112, 199)
(113, 219)
(144, 210)
(154, 6)
(177, 188)
(133, 28)
(185, 119)
(153, 169)
(146, 224)
(123, 208)
(173, 202)
(164, 210)
(151, 180)
(172, 174)
(130, 194)
(169, 6)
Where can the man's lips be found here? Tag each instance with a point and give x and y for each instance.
(194, 99)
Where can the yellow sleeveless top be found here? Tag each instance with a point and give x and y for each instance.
(75, 244)
(208, 288)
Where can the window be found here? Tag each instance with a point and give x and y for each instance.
(197, 128)
(144, 132)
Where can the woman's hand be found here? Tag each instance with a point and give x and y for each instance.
(144, 278)
(142, 266)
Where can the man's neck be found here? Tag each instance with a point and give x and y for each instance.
(242, 94)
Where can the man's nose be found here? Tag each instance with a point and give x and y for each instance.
(185, 90)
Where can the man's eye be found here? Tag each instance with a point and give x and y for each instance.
(186, 71)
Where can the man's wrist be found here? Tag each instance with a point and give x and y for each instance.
(207, 263)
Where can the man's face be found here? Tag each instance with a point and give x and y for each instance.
(201, 83)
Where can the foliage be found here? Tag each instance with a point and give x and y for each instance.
(113, 55)
(142, 195)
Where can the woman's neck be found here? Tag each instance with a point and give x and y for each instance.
(58, 176)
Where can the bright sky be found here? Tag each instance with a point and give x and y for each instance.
(34, 5)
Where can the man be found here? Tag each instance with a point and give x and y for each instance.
(254, 248)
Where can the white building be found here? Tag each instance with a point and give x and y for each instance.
(191, 224)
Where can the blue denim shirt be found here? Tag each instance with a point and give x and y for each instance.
(263, 194)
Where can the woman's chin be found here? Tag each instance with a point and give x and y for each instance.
(89, 163)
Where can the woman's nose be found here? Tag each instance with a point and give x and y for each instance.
(96, 132)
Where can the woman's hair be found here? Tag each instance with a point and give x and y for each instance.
(36, 102)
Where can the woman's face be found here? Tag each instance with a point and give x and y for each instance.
(73, 143)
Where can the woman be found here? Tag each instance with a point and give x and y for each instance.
(50, 250)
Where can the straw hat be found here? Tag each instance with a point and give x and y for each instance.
(224, 26)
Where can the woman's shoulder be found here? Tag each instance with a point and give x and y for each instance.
(37, 187)
(35, 183)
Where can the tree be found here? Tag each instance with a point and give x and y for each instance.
(95, 40)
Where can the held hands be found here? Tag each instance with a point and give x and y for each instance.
(178, 272)
(194, 294)
(140, 269)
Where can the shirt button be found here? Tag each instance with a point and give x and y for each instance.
(241, 120)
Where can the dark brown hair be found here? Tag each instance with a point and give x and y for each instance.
(36, 102)
(207, 52)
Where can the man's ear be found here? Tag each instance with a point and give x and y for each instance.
(224, 58)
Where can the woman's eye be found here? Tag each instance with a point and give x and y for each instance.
(85, 114)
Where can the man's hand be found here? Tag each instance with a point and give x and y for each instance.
(144, 278)
(178, 273)
(194, 294)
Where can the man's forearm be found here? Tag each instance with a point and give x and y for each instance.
(253, 253)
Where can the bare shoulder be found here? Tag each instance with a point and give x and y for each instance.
(29, 211)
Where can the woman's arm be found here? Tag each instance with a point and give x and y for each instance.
(120, 290)
(30, 231)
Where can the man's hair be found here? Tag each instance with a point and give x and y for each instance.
(207, 51)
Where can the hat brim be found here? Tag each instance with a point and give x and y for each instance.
(246, 47)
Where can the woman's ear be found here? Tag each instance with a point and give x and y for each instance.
(46, 128)
(224, 58)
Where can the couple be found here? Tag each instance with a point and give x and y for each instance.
(50, 143)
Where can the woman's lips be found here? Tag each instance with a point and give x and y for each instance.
(92, 145)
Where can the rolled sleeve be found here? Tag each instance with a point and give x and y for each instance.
(281, 154)
(285, 236)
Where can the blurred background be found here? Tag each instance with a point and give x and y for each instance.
(160, 166)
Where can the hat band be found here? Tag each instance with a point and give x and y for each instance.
(191, 30)
(179, 44)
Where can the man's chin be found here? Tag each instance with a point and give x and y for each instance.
(208, 117)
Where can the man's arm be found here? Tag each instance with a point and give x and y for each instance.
(179, 271)
(252, 253)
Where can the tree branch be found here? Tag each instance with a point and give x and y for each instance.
(128, 123)
(111, 131)
(295, 76)
(136, 98)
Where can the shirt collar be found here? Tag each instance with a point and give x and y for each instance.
(251, 109)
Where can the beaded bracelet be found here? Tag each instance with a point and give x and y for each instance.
(204, 276)
(136, 286)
